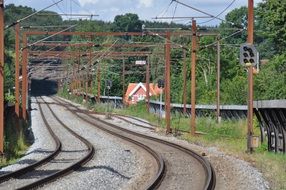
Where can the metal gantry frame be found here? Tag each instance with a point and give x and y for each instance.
(168, 45)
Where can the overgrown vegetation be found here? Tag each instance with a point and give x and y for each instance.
(15, 139)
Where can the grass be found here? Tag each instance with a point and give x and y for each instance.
(228, 136)
(15, 143)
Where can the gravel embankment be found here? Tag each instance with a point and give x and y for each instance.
(42, 146)
(232, 173)
(72, 151)
(116, 165)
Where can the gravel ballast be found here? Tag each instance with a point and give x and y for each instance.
(42, 146)
(115, 165)
(232, 173)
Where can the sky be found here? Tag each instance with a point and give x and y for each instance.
(145, 9)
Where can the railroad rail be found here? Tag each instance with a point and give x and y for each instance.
(209, 179)
(31, 171)
(40, 162)
(271, 115)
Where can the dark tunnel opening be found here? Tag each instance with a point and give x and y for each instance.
(43, 87)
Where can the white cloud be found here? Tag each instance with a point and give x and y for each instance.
(145, 3)
(84, 2)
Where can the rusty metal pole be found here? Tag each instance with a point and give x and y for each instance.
(17, 59)
(167, 83)
(74, 78)
(193, 82)
(98, 83)
(123, 82)
(24, 77)
(90, 67)
(218, 118)
(148, 83)
(250, 30)
(184, 82)
(2, 76)
(87, 82)
(78, 75)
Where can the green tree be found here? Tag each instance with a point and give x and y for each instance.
(127, 23)
(272, 15)
(270, 83)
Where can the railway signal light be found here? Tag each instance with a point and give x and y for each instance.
(161, 83)
(248, 55)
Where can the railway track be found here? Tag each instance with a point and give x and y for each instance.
(56, 165)
(182, 164)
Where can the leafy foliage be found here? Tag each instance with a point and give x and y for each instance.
(270, 40)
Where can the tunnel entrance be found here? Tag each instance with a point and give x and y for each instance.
(43, 87)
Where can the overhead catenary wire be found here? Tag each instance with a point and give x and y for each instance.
(22, 19)
(219, 13)
(164, 11)
(43, 39)
(203, 12)
(174, 12)
(221, 39)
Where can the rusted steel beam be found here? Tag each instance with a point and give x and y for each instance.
(184, 82)
(88, 34)
(167, 83)
(98, 83)
(88, 44)
(25, 77)
(95, 53)
(218, 117)
(123, 82)
(17, 65)
(250, 33)
(193, 82)
(148, 83)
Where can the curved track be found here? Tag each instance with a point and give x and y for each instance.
(22, 171)
(182, 164)
(39, 174)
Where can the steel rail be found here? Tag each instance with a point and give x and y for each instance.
(156, 180)
(31, 167)
(69, 169)
(210, 182)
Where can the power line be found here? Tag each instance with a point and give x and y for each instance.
(211, 44)
(219, 13)
(203, 12)
(164, 12)
(22, 19)
(174, 12)
(43, 39)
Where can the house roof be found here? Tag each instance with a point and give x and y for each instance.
(133, 87)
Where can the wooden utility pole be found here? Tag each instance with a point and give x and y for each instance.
(250, 30)
(167, 83)
(24, 77)
(193, 82)
(17, 65)
(148, 83)
(218, 118)
(2, 76)
(184, 82)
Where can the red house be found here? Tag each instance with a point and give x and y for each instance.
(137, 92)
